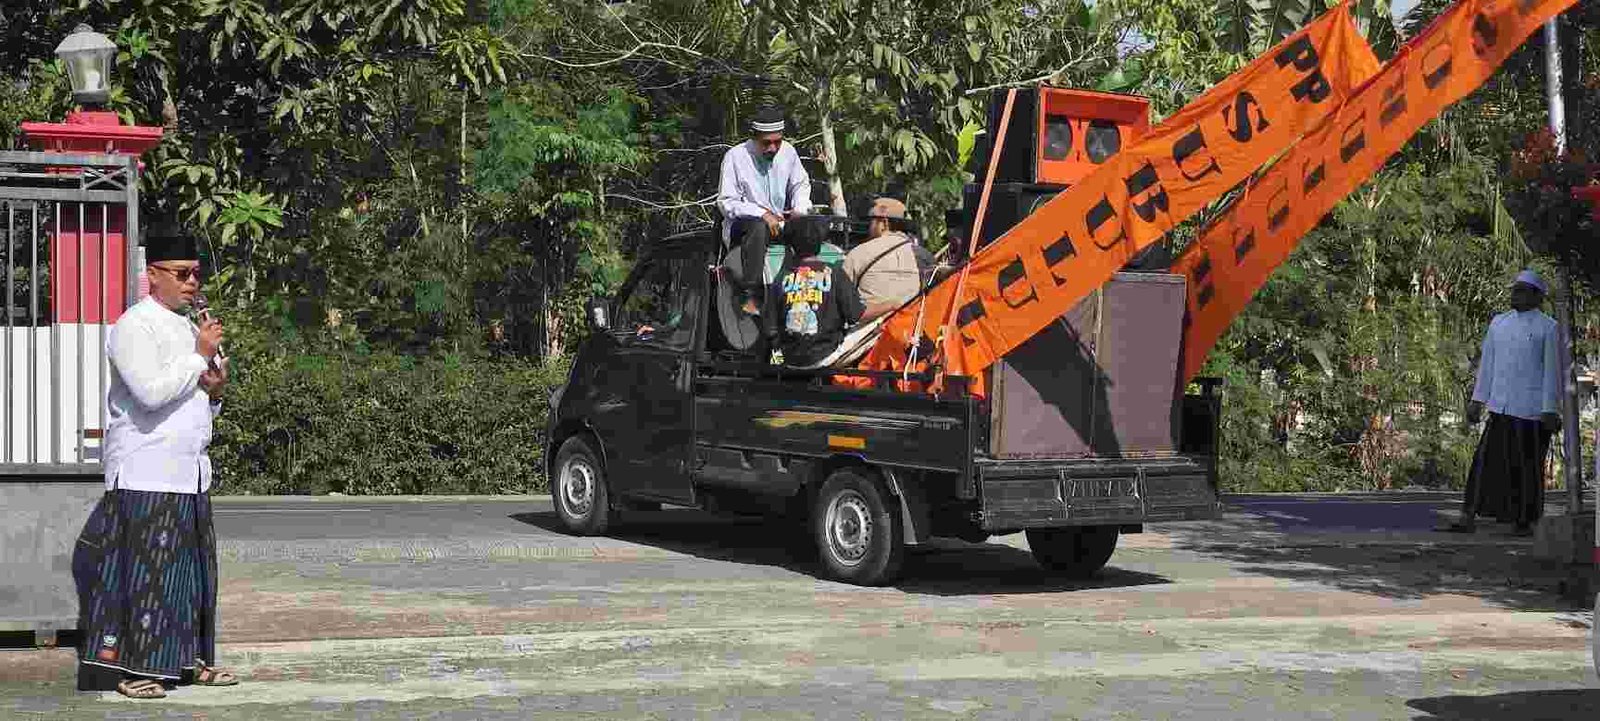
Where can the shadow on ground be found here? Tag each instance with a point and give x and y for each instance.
(1383, 549)
(1561, 705)
(942, 567)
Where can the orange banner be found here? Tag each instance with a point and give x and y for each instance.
(1029, 277)
(1235, 255)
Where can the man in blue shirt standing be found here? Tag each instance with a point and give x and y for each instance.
(1518, 382)
(763, 184)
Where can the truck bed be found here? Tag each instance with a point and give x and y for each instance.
(811, 420)
(763, 434)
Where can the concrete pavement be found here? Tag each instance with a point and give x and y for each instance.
(1291, 607)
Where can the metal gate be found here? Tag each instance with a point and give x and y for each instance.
(69, 224)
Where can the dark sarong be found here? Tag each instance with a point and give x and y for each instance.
(1475, 500)
(146, 571)
(1507, 476)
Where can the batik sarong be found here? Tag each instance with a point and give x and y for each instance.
(146, 569)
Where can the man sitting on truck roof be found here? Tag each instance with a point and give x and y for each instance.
(813, 300)
(887, 268)
(762, 185)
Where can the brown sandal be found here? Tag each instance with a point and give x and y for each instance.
(208, 676)
(141, 688)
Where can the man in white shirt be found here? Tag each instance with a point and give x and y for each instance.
(145, 563)
(762, 184)
(1518, 382)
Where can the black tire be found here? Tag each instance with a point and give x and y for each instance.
(1075, 552)
(857, 529)
(579, 491)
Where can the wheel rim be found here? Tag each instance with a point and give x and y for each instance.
(849, 528)
(577, 487)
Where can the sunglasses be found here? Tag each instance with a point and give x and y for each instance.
(182, 275)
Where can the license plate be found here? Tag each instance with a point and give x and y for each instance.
(1102, 488)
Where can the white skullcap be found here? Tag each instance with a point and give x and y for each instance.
(1532, 279)
(768, 119)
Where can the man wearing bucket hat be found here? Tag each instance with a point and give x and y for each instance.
(886, 268)
(762, 184)
(1518, 383)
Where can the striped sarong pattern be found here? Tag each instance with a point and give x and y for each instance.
(146, 568)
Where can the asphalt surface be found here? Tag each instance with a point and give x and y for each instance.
(1335, 607)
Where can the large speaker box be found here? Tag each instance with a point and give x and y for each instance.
(1101, 382)
(1009, 203)
(1057, 135)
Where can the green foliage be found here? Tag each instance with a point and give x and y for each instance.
(411, 200)
(35, 96)
(543, 176)
(1185, 46)
(382, 423)
(523, 148)
(249, 214)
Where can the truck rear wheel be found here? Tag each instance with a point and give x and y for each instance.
(1075, 552)
(579, 490)
(856, 529)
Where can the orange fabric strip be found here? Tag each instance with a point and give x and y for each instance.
(1073, 244)
(1235, 255)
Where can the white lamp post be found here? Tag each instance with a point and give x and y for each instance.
(89, 57)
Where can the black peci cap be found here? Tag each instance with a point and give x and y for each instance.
(169, 240)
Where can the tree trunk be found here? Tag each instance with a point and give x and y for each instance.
(543, 331)
(1369, 448)
(461, 192)
(550, 289)
(553, 347)
(830, 153)
(1571, 444)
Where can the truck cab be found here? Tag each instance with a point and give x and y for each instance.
(1085, 434)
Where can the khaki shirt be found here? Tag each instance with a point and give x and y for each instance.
(884, 272)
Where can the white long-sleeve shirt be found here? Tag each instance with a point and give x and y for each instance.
(158, 417)
(747, 191)
(1517, 375)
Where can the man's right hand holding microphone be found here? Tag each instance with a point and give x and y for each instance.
(207, 344)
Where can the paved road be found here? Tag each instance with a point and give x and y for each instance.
(1291, 607)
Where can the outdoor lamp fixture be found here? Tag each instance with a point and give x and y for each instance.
(89, 57)
(89, 128)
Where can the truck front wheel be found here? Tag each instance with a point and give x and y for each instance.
(579, 490)
(856, 529)
(1075, 552)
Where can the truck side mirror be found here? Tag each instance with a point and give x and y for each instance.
(597, 314)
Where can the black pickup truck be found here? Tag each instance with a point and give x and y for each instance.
(1084, 433)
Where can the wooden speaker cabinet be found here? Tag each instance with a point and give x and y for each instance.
(1059, 135)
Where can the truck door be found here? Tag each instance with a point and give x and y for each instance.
(644, 410)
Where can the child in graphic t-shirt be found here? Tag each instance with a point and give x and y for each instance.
(814, 300)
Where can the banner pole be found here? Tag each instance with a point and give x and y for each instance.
(1552, 86)
(977, 237)
(1572, 448)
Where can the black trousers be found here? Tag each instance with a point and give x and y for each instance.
(1507, 476)
(753, 235)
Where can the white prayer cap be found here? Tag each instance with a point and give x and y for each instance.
(768, 119)
(1531, 279)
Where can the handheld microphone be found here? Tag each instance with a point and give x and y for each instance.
(203, 312)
